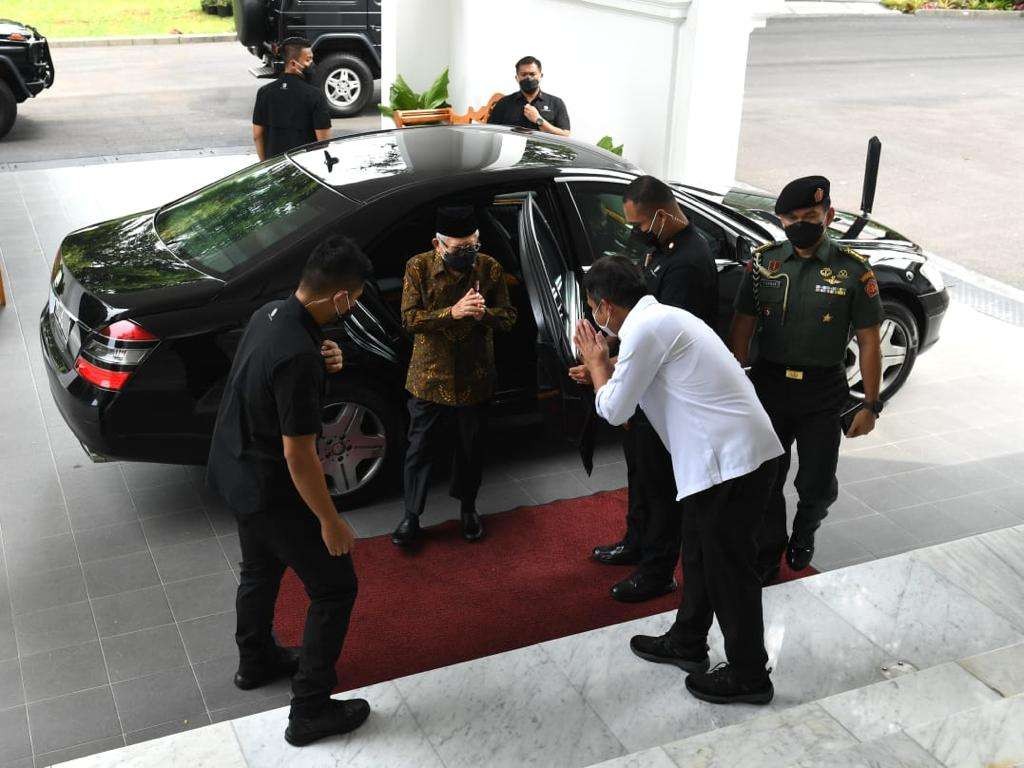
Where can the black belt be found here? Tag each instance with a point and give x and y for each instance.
(799, 372)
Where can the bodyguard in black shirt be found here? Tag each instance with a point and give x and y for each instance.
(263, 463)
(529, 107)
(290, 112)
(680, 271)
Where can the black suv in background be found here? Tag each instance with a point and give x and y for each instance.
(346, 43)
(25, 69)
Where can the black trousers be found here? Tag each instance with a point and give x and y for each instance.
(720, 575)
(429, 426)
(806, 412)
(270, 542)
(653, 517)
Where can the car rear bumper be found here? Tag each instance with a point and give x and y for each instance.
(79, 402)
(934, 306)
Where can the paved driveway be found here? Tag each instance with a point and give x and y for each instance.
(126, 100)
(117, 580)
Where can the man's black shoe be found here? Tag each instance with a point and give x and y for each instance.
(721, 686)
(407, 532)
(283, 663)
(616, 554)
(661, 650)
(640, 587)
(472, 526)
(337, 718)
(800, 551)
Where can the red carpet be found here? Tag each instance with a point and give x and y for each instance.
(528, 581)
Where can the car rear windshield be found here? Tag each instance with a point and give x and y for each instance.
(243, 219)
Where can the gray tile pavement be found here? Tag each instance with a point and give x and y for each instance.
(117, 580)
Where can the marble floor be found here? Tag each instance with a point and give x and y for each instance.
(912, 660)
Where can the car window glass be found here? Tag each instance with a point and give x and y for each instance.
(564, 288)
(243, 219)
(604, 221)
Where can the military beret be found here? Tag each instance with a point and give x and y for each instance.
(456, 221)
(803, 193)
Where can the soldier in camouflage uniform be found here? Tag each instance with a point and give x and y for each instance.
(803, 298)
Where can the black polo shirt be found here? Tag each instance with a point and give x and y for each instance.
(682, 272)
(275, 388)
(291, 111)
(509, 111)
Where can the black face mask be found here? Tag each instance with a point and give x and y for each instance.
(309, 73)
(461, 259)
(804, 234)
(529, 84)
(644, 239)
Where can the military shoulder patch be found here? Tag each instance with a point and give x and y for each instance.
(871, 288)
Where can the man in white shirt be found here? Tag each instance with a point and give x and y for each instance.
(724, 460)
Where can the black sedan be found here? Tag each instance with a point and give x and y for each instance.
(145, 311)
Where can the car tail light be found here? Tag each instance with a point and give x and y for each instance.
(55, 269)
(17, 37)
(109, 357)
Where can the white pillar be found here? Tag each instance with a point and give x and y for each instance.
(707, 91)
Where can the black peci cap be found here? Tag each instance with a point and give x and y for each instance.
(456, 221)
(803, 193)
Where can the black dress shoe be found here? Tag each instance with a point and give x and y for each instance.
(472, 526)
(640, 587)
(283, 663)
(337, 718)
(618, 553)
(800, 551)
(722, 686)
(407, 532)
(661, 650)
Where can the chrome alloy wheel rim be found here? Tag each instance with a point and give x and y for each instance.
(895, 347)
(352, 447)
(343, 87)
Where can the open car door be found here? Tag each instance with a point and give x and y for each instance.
(557, 302)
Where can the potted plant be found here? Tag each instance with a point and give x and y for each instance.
(607, 143)
(414, 108)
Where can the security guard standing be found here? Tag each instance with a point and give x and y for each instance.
(263, 462)
(290, 112)
(680, 271)
(802, 297)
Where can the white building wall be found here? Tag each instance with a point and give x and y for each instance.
(663, 77)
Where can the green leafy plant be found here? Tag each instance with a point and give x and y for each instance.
(403, 97)
(608, 143)
(909, 6)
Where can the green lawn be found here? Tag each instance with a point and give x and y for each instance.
(102, 18)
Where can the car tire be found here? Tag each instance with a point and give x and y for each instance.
(250, 22)
(338, 71)
(8, 109)
(355, 417)
(900, 336)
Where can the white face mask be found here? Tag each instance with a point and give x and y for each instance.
(608, 331)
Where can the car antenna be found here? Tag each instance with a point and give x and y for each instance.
(867, 199)
(330, 161)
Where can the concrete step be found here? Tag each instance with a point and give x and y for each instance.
(967, 713)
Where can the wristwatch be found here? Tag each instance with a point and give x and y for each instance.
(540, 122)
(874, 406)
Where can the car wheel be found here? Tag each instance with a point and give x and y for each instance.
(250, 22)
(8, 109)
(346, 82)
(360, 448)
(900, 337)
